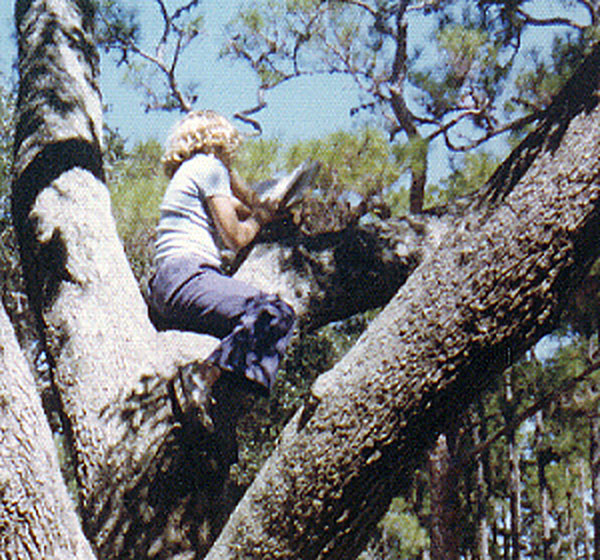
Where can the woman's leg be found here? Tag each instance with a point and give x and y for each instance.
(254, 327)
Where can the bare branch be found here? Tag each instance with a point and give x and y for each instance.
(375, 13)
(513, 125)
(550, 21)
(167, 23)
(185, 8)
(245, 117)
(173, 36)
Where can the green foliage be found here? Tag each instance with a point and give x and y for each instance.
(469, 173)
(259, 159)
(537, 87)
(465, 72)
(412, 155)
(402, 528)
(6, 138)
(360, 162)
(136, 184)
(400, 535)
(118, 25)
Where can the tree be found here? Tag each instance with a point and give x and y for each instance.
(110, 368)
(319, 511)
(432, 70)
(492, 279)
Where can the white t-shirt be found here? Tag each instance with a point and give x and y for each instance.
(186, 227)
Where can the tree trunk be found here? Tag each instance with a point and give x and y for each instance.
(570, 506)
(492, 288)
(444, 529)
(481, 485)
(37, 517)
(147, 484)
(109, 366)
(583, 498)
(514, 482)
(542, 460)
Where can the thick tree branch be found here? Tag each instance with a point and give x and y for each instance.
(37, 516)
(493, 287)
(150, 481)
(487, 283)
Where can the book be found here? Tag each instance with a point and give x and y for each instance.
(285, 190)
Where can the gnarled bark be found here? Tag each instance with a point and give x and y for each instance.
(37, 517)
(148, 485)
(485, 289)
(490, 290)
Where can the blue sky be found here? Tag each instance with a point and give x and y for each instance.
(301, 109)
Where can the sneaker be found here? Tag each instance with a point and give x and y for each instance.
(284, 191)
(194, 397)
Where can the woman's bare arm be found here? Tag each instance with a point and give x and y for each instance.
(237, 224)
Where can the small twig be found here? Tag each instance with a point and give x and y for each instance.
(513, 125)
(245, 117)
(550, 21)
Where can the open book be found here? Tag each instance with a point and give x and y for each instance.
(285, 190)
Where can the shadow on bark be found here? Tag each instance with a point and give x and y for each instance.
(180, 495)
(44, 267)
(578, 95)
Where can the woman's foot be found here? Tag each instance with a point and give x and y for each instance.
(192, 394)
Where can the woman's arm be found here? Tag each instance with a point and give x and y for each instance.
(236, 223)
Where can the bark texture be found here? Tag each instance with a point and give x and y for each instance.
(494, 286)
(110, 367)
(444, 528)
(37, 517)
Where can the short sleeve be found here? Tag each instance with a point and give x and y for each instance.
(210, 176)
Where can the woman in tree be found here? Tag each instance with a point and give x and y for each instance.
(207, 211)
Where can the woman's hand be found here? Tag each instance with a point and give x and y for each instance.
(265, 211)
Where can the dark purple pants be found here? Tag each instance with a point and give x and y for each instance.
(254, 327)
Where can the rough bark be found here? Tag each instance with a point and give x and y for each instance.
(108, 363)
(37, 516)
(493, 287)
(444, 528)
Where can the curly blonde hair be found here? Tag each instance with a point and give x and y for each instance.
(201, 132)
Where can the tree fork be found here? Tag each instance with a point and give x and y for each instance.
(110, 367)
(147, 484)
